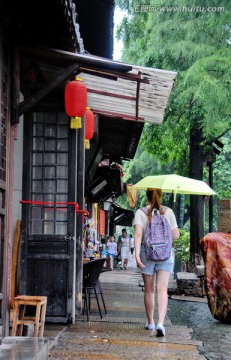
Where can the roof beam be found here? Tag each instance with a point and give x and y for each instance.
(60, 57)
(106, 93)
(32, 100)
(113, 75)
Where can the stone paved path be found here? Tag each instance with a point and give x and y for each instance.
(121, 334)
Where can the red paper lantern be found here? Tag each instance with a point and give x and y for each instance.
(75, 101)
(89, 127)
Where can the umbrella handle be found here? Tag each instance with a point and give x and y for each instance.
(174, 197)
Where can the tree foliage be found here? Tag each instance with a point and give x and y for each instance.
(221, 170)
(196, 44)
(195, 41)
(142, 165)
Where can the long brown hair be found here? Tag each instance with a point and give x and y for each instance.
(154, 197)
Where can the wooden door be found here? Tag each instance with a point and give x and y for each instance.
(48, 244)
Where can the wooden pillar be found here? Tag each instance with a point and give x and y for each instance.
(79, 224)
(210, 165)
(196, 201)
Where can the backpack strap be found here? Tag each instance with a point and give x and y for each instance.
(144, 209)
(163, 210)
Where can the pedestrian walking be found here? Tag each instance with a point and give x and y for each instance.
(120, 236)
(132, 245)
(119, 246)
(154, 273)
(103, 250)
(112, 250)
(124, 247)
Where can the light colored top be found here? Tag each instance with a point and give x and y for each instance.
(112, 248)
(125, 247)
(125, 241)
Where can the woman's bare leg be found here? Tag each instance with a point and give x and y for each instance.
(149, 296)
(111, 262)
(162, 280)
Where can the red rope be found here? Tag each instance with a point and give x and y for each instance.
(76, 205)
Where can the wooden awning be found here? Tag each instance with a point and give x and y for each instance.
(115, 89)
(121, 216)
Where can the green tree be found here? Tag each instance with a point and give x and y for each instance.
(194, 41)
(142, 165)
(222, 171)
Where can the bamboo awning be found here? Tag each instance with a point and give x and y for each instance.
(115, 89)
(143, 98)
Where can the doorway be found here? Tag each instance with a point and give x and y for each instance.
(48, 239)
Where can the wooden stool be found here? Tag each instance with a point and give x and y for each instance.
(21, 318)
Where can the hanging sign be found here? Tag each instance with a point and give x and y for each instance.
(101, 222)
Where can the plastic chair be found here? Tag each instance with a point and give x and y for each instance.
(91, 285)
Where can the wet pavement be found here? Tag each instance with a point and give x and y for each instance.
(215, 336)
(191, 331)
(121, 334)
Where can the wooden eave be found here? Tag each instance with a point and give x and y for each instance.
(115, 89)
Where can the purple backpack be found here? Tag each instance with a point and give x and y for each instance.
(157, 236)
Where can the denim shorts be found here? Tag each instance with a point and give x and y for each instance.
(112, 255)
(152, 266)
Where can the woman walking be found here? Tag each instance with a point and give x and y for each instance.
(124, 249)
(154, 273)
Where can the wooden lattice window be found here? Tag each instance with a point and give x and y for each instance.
(49, 174)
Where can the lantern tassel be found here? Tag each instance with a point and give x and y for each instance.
(76, 122)
(87, 144)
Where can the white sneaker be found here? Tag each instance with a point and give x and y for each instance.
(160, 330)
(150, 326)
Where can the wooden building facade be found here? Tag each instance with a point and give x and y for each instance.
(47, 178)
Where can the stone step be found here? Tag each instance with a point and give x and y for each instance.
(189, 284)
